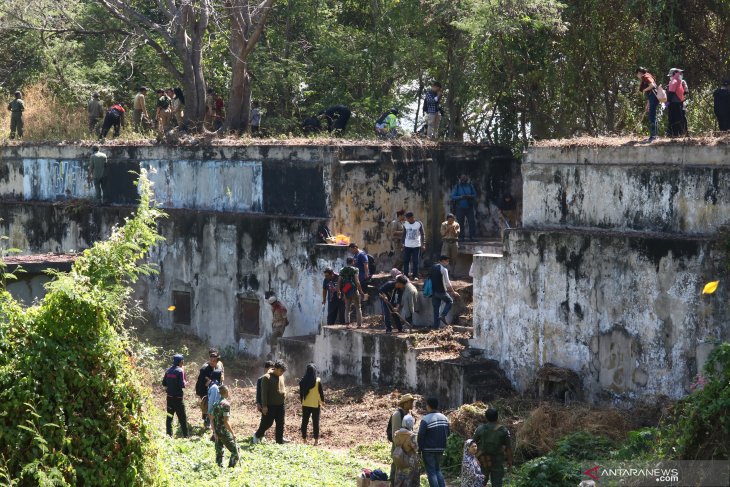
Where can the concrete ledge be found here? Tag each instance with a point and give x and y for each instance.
(672, 154)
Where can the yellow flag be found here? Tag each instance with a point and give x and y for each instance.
(710, 287)
(171, 308)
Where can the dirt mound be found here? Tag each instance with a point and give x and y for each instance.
(465, 420)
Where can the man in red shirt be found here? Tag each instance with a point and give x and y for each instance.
(648, 88)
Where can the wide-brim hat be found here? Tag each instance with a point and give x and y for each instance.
(674, 70)
(406, 398)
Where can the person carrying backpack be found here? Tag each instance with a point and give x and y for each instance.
(675, 94)
(494, 446)
(386, 126)
(405, 455)
(405, 404)
(349, 289)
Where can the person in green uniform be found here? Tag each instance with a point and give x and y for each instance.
(494, 443)
(97, 171)
(16, 108)
(223, 432)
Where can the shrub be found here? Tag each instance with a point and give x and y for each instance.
(454, 454)
(582, 445)
(73, 410)
(549, 471)
(639, 443)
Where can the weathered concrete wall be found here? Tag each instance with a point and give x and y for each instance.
(683, 189)
(216, 257)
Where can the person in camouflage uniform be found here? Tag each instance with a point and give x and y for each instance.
(223, 432)
(16, 108)
(494, 446)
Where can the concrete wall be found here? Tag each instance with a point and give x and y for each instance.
(681, 189)
(216, 257)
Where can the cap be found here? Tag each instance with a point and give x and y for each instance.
(177, 358)
(271, 300)
(405, 398)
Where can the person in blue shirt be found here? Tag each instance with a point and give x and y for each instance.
(361, 262)
(214, 396)
(464, 198)
(174, 381)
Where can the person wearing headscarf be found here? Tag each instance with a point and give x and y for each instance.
(312, 397)
(407, 473)
(471, 471)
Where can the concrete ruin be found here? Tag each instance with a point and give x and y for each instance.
(605, 277)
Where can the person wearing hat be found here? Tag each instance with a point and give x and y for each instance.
(139, 113)
(16, 107)
(201, 386)
(450, 231)
(164, 111)
(405, 404)
(395, 232)
(273, 394)
(96, 112)
(721, 105)
(174, 381)
(279, 322)
(675, 99)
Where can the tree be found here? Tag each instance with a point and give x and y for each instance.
(247, 23)
(177, 35)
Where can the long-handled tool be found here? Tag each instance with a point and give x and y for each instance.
(393, 312)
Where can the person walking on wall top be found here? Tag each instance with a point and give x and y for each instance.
(95, 111)
(433, 110)
(16, 107)
(312, 397)
(647, 87)
(721, 105)
(675, 99)
(140, 118)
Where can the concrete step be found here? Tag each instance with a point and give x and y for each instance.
(463, 328)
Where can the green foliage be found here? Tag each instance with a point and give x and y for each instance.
(548, 471)
(640, 443)
(73, 408)
(453, 455)
(700, 425)
(378, 452)
(582, 445)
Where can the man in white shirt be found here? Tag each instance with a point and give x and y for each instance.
(442, 289)
(414, 240)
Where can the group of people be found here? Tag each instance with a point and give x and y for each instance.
(214, 399)
(483, 458)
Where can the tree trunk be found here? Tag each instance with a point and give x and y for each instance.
(239, 103)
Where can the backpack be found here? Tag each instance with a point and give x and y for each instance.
(372, 266)
(388, 432)
(382, 118)
(428, 288)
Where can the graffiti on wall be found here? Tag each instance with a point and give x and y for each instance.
(68, 179)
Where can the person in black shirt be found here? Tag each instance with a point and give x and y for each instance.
(201, 388)
(268, 367)
(335, 304)
(174, 381)
(336, 117)
(392, 293)
(721, 98)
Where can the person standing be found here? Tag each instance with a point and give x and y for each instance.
(362, 263)
(349, 289)
(450, 231)
(312, 396)
(409, 300)
(163, 111)
(279, 322)
(414, 241)
(407, 466)
(178, 105)
(114, 118)
(214, 396)
(95, 112)
(494, 444)
(97, 172)
(442, 291)
(335, 305)
(16, 107)
(647, 87)
(201, 385)
(405, 404)
(273, 393)
(174, 381)
(721, 105)
(464, 198)
(675, 99)
(223, 433)
(471, 471)
(255, 119)
(394, 231)
(139, 110)
(219, 112)
(433, 110)
(268, 368)
(391, 293)
(506, 213)
(432, 434)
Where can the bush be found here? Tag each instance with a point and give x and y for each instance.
(73, 410)
(549, 471)
(454, 454)
(582, 445)
(639, 443)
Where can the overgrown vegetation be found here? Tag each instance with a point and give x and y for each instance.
(73, 410)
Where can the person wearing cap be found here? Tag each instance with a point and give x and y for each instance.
(96, 112)
(97, 172)
(174, 381)
(163, 111)
(675, 99)
(273, 394)
(16, 107)
(405, 404)
(450, 231)
(114, 118)
(139, 113)
(222, 431)
(201, 386)
(394, 231)
(647, 87)
(721, 105)
(279, 322)
(414, 241)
